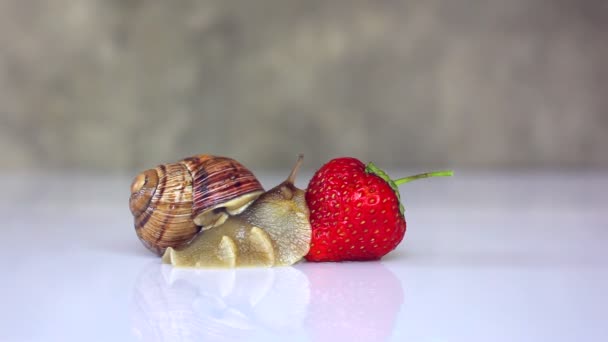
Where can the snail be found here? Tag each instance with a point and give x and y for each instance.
(273, 231)
(173, 202)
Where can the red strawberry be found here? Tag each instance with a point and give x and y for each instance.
(355, 211)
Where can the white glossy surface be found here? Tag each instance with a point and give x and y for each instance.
(487, 257)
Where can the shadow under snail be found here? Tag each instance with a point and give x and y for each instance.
(208, 211)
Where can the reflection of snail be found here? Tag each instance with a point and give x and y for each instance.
(324, 301)
(173, 304)
(273, 231)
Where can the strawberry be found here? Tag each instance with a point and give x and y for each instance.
(355, 211)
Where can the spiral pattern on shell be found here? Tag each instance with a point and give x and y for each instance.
(173, 202)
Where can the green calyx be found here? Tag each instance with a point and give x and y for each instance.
(394, 183)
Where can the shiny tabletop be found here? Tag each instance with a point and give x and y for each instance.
(519, 256)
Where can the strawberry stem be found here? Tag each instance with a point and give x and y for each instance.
(444, 173)
(394, 183)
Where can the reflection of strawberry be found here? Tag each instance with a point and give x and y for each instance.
(355, 211)
(355, 302)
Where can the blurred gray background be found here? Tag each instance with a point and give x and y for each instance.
(126, 84)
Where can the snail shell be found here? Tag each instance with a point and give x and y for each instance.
(173, 202)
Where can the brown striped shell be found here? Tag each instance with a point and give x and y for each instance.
(173, 202)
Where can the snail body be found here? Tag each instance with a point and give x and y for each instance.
(273, 231)
(173, 202)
